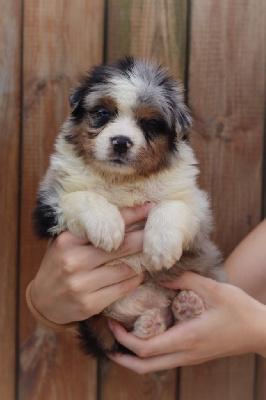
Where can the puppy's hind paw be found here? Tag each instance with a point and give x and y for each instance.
(187, 305)
(150, 323)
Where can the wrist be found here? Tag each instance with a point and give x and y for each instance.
(36, 296)
(260, 324)
(40, 317)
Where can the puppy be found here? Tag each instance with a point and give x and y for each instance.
(122, 146)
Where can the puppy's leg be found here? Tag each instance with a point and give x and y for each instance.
(90, 215)
(187, 305)
(170, 228)
(145, 312)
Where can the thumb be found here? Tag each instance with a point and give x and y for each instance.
(204, 287)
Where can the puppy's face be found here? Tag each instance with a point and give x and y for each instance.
(127, 118)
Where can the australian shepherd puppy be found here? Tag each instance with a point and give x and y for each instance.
(122, 146)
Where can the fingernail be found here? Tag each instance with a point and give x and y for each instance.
(110, 324)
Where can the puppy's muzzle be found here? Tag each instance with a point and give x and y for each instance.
(121, 144)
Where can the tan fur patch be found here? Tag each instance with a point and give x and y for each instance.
(155, 158)
(82, 137)
(147, 113)
(98, 324)
(109, 103)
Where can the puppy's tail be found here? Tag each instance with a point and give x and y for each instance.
(97, 340)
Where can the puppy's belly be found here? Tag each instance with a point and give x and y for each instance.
(146, 311)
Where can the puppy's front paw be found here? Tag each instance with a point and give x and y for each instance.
(106, 231)
(92, 216)
(161, 250)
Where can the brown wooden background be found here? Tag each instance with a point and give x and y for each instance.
(218, 49)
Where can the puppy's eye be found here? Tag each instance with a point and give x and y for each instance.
(100, 116)
(153, 127)
(104, 113)
(153, 123)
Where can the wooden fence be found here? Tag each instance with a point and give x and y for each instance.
(217, 48)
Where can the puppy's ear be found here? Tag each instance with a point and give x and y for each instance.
(74, 100)
(184, 119)
(76, 103)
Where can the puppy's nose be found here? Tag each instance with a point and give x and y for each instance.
(121, 144)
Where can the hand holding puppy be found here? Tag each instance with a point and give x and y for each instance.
(232, 323)
(72, 282)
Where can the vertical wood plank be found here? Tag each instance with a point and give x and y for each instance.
(62, 39)
(226, 91)
(156, 30)
(260, 388)
(10, 66)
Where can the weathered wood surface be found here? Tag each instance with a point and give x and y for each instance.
(10, 65)
(152, 28)
(157, 30)
(260, 388)
(61, 40)
(226, 95)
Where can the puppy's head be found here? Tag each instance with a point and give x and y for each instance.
(127, 118)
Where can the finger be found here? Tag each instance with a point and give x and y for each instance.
(132, 243)
(152, 364)
(134, 214)
(88, 257)
(66, 240)
(204, 287)
(104, 297)
(107, 275)
(171, 340)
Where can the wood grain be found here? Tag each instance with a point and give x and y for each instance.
(118, 383)
(157, 30)
(260, 388)
(10, 65)
(226, 92)
(61, 40)
(154, 29)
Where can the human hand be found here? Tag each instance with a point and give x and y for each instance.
(231, 323)
(73, 283)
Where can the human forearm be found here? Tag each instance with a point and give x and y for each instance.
(246, 266)
(259, 331)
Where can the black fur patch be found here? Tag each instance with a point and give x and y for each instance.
(44, 218)
(125, 65)
(91, 346)
(76, 103)
(97, 76)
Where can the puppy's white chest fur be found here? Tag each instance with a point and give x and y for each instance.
(89, 205)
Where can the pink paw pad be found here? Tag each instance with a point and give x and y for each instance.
(149, 324)
(187, 305)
